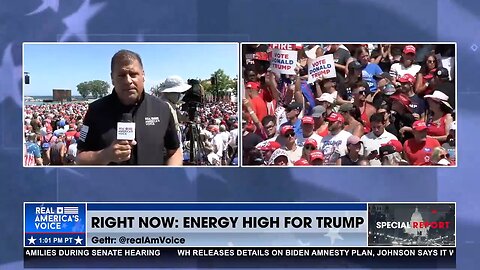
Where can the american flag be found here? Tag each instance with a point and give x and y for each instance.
(70, 210)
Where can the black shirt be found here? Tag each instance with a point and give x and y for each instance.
(402, 120)
(448, 88)
(341, 57)
(250, 141)
(417, 104)
(347, 161)
(154, 128)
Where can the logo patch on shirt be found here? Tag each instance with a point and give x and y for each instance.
(151, 121)
(83, 133)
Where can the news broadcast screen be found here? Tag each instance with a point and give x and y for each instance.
(171, 165)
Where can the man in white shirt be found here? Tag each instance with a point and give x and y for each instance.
(406, 64)
(294, 152)
(72, 152)
(334, 145)
(217, 141)
(308, 128)
(378, 136)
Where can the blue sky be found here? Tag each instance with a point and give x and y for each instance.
(66, 65)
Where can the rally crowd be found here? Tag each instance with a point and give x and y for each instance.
(389, 104)
(51, 132)
(218, 129)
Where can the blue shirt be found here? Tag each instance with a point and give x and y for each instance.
(367, 75)
(34, 149)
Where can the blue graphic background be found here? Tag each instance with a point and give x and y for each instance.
(246, 20)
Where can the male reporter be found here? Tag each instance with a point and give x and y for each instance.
(155, 141)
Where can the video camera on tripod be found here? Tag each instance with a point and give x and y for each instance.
(193, 98)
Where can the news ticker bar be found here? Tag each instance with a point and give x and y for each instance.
(238, 224)
(241, 257)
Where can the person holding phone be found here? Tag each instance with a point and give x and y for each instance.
(378, 136)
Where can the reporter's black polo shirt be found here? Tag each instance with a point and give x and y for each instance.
(154, 123)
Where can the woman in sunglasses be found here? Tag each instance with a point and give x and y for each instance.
(359, 93)
(424, 82)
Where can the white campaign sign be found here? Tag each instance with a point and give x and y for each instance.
(322, 67)
(283, 61)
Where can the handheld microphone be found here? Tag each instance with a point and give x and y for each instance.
(126, 128)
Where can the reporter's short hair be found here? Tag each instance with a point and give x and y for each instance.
(125, 54)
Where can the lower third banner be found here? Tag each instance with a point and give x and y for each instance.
(243, 234)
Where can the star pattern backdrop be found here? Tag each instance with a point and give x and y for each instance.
(247, 20)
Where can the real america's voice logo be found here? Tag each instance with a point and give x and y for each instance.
(55, 224)
(52, 218)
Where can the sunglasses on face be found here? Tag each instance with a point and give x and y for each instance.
(445, 156)
(363, 92)
(431, 61)
(290, 134)
(309, 147)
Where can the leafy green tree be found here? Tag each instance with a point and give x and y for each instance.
(233, 85)
(83, 89)
(223, 83)
(96, 88)
(99, 88)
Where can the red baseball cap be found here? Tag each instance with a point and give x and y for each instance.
(334, 117)
(308, 120)
(419, 125)
(253, 85)
(301, 162)
(311, 142)
(262, 56)
(407, 78)
(409, 49)
(316, 154)
(285, 129)
(271, 145)
(396, 144)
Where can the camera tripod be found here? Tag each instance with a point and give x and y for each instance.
(198, 153)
